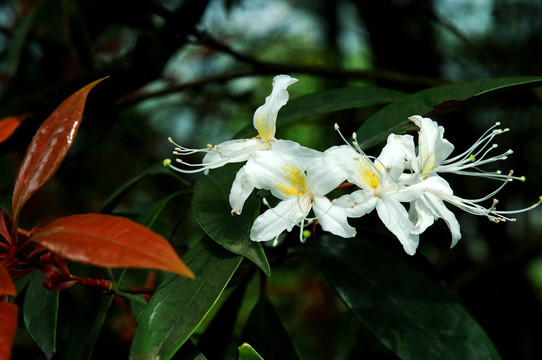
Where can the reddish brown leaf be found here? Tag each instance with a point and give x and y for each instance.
(109, 241)
(6, 285)
(8, 125)
(8, 326)
(49, 147)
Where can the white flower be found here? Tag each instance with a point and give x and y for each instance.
(380, 188)
(432, 160)
(240, 150)
(301, 184)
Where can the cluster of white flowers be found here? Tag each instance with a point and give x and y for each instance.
(302, 178)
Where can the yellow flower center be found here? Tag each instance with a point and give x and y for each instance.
(295, 181)
(367, 175)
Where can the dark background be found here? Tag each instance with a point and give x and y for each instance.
(197, 70)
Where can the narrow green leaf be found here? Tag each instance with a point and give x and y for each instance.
(213, 212)
(88, 317)
(265, 331)
(247, 352)
(40, 312)
(215, 342)
(401, 306)
(327, 101)
(394, 118)
(148, 217)
(179, 305)
(112, 201)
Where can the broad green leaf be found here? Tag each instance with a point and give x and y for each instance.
(40, 312)
(247, 352)
(327, 101)
(109, 241)
(112, 201)
(411, 314)
(179, 305)
(49, 147)
(8, 319)
(394, 118)
(264, 330)
(213, 212)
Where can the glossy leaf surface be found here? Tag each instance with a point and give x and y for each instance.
(109, 241)
(48, 147)
(40, 312)
(247, 352)
(394, 118)
(213, 212)
(6, 284)
(400, 305)
(8, 125)
(179, 305)
(8, 321)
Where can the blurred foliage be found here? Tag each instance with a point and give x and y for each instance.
(196, 70)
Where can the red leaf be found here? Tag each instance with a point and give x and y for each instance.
(109, 241)
(6, 285)
(8, 125)
(49, 147)
(8, 321)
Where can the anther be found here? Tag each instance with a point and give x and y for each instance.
(336, 126)
(209, 147)
(170, 140)
(178, 160)
(354, 136)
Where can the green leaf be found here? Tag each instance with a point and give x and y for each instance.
(213, 212)
(412, 315)
(40, 312)
(265, 331)
(87, 319)
(394, 118)
(247, 352)
(112, 201)
(150, 215)
(179, 305)
(214, 343)
(327, 101)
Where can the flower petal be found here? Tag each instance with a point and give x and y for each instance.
(274, 221)
(240, 191)
(332, 218)
(357, 203)
(395, 218)
(265, 116)
(277, 172)
(432, 146)
(233, 151)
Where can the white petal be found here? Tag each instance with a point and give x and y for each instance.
(277, 172)
(233, 151)
(393, 156)
(274, 221)
(432, 146)
(332, 218)
(357, 203)
(305, 156)
(395, 218)
(240, 191)
(421, 216)
(325, 175)
(265, 116)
